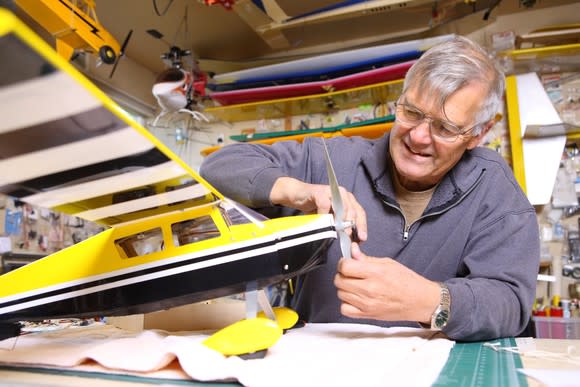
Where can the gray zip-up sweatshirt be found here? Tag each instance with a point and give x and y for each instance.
(478, 234)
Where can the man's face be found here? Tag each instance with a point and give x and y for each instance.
(422, 159)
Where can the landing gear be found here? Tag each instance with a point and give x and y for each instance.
(8, 330)
(107, 54)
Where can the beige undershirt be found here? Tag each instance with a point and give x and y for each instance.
(412, 203)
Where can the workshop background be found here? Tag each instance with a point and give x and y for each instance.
(227, 36)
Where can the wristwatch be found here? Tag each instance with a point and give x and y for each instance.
(441, 315)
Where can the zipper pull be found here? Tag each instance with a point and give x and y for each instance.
(406, 233)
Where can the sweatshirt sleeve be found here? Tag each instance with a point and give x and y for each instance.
(493, 296)
(247, 172)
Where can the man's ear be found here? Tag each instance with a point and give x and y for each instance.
(476, 140)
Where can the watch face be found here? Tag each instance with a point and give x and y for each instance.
(441, 318)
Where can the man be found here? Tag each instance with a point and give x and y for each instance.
(447, 238)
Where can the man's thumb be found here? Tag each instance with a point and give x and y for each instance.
(356, 252)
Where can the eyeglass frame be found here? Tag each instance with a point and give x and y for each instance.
(425, 116)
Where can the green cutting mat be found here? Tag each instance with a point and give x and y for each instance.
(472, 364)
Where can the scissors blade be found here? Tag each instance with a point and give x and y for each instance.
(337, 206)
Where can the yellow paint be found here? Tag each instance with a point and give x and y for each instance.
(245, 336)
(70, 26)
(539, 52)
(515, 131)
(98, 255)
(285, 317)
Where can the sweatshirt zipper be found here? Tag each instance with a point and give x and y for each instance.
(406, 232)
(406, 227)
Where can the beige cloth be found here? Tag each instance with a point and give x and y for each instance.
(315, 355)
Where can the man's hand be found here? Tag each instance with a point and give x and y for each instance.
(316, 198)
(383, 289)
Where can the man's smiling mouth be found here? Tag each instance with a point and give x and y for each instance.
(416, 153)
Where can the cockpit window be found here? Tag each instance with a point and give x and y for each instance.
(233, 213)
(194, 230)
(146, 242)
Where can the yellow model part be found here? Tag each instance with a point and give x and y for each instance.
(100, 255)
(174, 244)
(10, 24)
(72, 28)
(285, 317)
(245, 336)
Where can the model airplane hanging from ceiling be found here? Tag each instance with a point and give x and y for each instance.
(181, 86)
(269, 20)
(172, 239)
(75, 27)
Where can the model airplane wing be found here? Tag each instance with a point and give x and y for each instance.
(171, 238)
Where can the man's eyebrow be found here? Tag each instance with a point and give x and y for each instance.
(444, 120)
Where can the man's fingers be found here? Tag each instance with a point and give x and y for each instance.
(356, 213)
(356, 253)
(353, 268)
(361, 223)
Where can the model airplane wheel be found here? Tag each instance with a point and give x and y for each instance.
(107, 54)
(255, 355)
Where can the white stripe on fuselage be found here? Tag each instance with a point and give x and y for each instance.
(107, 185)
(121, 143)
(178, 195)
(43, 99)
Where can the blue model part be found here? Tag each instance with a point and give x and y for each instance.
(259, 4)
(316, 74)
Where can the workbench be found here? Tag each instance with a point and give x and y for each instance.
(469, 364)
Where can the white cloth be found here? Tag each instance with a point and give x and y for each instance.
(315, 355)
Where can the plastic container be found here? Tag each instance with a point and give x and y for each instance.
(557, 327)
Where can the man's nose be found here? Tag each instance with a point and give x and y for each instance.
(421, 133)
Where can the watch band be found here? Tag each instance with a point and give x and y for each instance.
(441, 315)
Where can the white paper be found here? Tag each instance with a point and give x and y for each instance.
(554, 378)
(315, 355)
(5, 245)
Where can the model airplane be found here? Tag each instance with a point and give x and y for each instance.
(75, 28)
(172, 239)
(269, 20)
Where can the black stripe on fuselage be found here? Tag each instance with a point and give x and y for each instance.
(92, 26)
(85, 174)
(78, 127)
(183, 284)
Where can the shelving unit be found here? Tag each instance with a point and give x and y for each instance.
(312, 104)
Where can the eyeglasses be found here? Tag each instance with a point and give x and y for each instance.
(411, 116)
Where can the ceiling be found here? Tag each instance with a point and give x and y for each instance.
(222, 40)
(225, 40)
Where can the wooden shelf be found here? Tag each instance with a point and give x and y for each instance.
(312, 104)
(561, 58)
